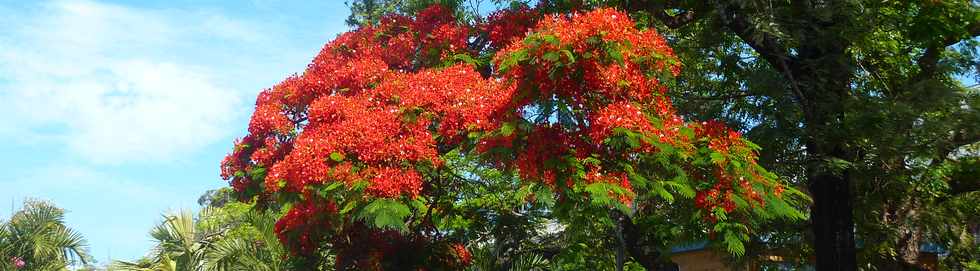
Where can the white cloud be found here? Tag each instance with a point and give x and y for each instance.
(81, 184)
(152, 95)
(115, 84)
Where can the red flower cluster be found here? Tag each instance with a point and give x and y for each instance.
(710, 199)
(359, 247)
(598, 65)
(462, 254)
(390, 182)
(504, 26)
(392, 250)
(749, 185)
(720, 137)
(18, 262)
(543, 144)
(609, 73)
(597, 175)
(301, 229)
(619, 115)
(722, 193)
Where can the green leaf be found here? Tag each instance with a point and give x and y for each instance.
(717, 158)
(385, 214)
(599, 194)
(550, 39)
(615, 54)
(544, 195)
(734, 243)
(522, 193)
(325, 191)
(257, 173)
(348, 207)
(466, 58)
(568, 54)
(633, 139)
(513, 59)
(337, 157)
(679, 184)
(551, 56)
(658, 187)
(636, 179)
(359, 185)
(508, 128)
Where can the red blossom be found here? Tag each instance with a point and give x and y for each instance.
(390, 183)
(462, 254)
(504, 26)
(618, 115)
(298, 229)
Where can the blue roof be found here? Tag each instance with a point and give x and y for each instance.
(689, 247)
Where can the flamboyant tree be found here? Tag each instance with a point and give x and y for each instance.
(360, 147)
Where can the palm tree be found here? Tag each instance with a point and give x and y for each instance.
(37, 238)
(260, 252)
(181, 244)
(214, 241)
(145, 264)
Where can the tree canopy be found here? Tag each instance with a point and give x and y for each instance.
(374, 148)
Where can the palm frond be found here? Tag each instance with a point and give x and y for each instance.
(37, 233)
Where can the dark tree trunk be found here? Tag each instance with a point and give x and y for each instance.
(633, 243)
(820, 79)
(832, 217)
(832, 222)
(823, 80)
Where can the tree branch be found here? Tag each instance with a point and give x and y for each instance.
(765, 44)
(928, 62)
(631, 240)
(716, 97)
(659, 11)
(678, 20)
(959, 139)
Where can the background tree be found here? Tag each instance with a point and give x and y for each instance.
(866, 87)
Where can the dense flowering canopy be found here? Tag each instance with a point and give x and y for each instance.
(577, 104)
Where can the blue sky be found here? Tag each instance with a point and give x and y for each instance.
(119, 111)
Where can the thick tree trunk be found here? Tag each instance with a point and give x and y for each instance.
(908, 245)
(831, 216)
(823, 78)
(632, 236)
(832, 222)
